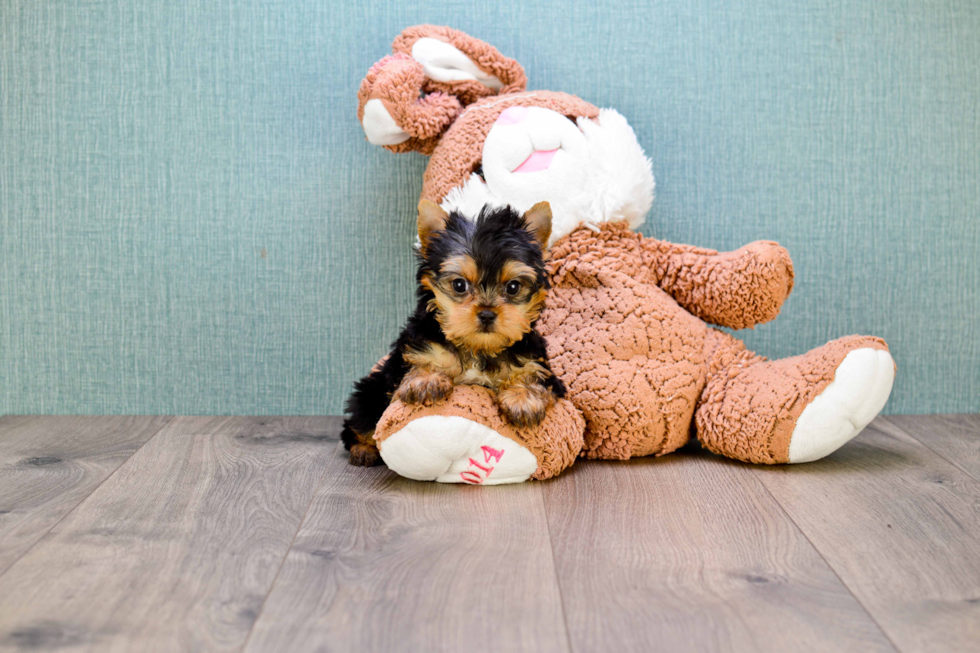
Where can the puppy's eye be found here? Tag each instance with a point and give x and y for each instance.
(460, 285)
(512, 287)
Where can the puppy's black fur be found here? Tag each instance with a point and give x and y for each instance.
(496, 237)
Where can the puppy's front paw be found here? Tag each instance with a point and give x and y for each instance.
(364, 455)
(426, 388)
(524, 406)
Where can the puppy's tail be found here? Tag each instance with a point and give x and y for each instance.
(366, 405)
(347, 436)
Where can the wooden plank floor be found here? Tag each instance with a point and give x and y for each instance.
(201, 534)
(48, 466)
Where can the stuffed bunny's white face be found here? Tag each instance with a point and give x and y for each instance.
(531, 152)
(590, 171)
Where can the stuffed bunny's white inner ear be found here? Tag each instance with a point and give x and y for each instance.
(445, 63)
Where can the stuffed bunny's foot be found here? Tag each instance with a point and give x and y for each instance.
(861, 385)
(466, 439)
(453, 449)
(791, 410)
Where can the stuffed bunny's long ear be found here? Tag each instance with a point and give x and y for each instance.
(445, 63)
(458, 64)
(408, 100)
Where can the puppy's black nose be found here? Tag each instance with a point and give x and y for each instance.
(486, 317)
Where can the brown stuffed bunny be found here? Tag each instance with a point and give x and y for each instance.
(627, 318)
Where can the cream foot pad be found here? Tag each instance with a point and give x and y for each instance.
(452, 449)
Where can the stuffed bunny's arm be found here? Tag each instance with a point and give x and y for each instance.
(737, 289)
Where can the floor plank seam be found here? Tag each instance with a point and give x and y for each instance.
(282, 563)
(168, 420)
(857, 599)
(938, 453)
(554, 567)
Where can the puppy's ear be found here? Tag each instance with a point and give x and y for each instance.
(538, 219)
(432, 219)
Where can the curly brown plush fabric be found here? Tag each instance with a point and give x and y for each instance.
(488, 58)
(556, 442)
(397, 82)
(746, 395)
(640, 366)
(736, 289)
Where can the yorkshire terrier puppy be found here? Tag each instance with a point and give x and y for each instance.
(481, 286)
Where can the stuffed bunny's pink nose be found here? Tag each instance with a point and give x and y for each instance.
(512, 116)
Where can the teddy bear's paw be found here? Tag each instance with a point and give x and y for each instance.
(861, 385)
(452, 449)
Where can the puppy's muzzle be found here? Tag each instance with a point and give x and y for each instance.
(486, 318)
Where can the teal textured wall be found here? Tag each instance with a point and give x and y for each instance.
(192, 222)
